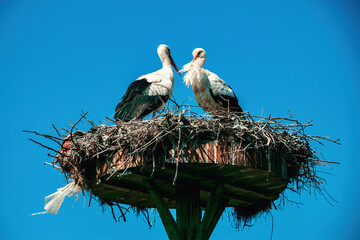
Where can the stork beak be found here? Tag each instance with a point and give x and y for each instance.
(192, 61)
(174, 65)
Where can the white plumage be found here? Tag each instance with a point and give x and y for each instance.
(149, 92)
(210, 91)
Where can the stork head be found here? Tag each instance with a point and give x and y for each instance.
(199, 56)
(165, 56)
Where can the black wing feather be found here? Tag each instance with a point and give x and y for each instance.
(135, 88)
(135, 104)
(227, 102)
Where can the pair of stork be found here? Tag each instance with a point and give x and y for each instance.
(151, 91)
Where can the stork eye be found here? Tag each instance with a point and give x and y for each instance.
(198, 54)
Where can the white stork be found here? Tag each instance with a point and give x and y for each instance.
(149, 92)
(210, 91)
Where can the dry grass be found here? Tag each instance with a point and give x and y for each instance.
(177, 134)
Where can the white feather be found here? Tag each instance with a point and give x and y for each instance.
(207, 86)
(162, 82)
(53, 202)
(194, 73)
(219, 86)
(197, 78)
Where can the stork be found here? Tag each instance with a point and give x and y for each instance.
(211, 92)
(149, 92)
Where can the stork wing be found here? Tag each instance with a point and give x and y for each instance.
(223, 93)
(139, 107)
(137, 87)
(136, 104)
(227, 102)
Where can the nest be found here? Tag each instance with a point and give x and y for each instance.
(181, 137)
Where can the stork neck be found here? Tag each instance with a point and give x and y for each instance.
(167, 65)
(199, 62)
(166, 62)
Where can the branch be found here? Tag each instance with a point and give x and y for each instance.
(45, 146)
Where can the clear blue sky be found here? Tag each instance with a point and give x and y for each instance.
(59, 58)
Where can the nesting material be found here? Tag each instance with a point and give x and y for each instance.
(277, 147)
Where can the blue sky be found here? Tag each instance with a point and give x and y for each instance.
(59, 58)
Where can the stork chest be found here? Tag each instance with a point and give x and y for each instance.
(202, 94)
(163, 88)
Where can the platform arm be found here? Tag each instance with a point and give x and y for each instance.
(167, 219)
(213, 212)
(188, 212)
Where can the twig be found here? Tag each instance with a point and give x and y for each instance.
(121, 211)
(112, 211)
(45, 146)
(72, 128)
(187, 138)
(53, 165)
(56, 130)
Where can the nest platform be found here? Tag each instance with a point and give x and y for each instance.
(215, 177)
(248, 179)
(195, 164)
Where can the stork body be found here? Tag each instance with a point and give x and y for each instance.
(149, 92)
(211, 92)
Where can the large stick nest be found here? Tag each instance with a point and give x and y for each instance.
(177, 134)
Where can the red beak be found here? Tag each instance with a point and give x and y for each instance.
(192, 62)
(174, 65)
